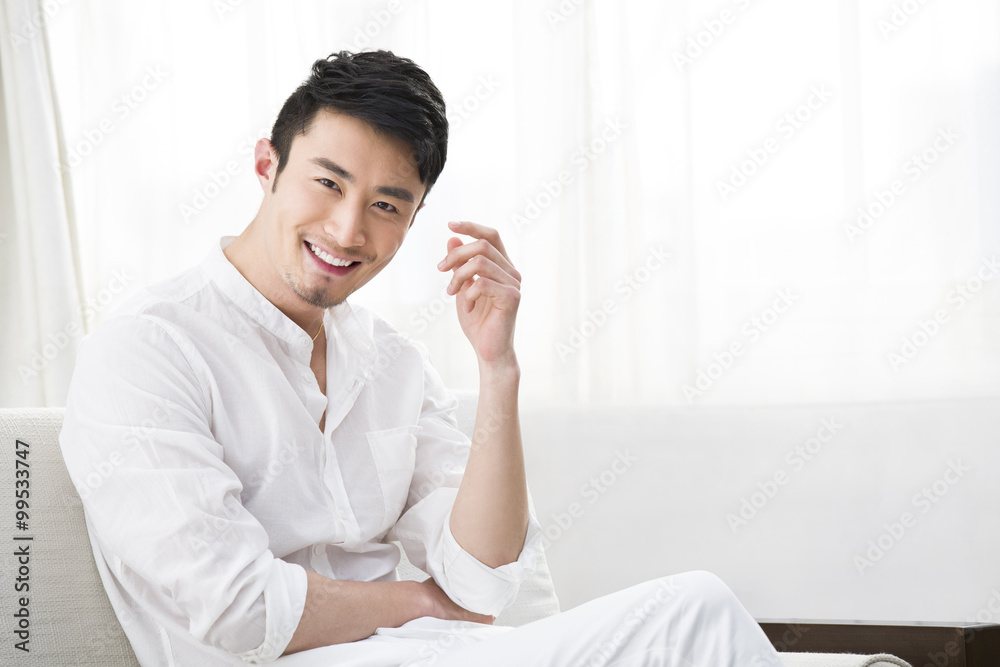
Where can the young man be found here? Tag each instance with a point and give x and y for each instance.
(247, 443)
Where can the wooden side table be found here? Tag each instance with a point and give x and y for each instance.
(920, 644)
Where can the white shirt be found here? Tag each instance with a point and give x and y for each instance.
(192, 435)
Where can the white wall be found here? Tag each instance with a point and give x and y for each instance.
(666, 511)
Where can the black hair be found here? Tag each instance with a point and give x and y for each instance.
(393, 94)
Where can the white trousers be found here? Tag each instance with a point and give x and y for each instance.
(685, 620)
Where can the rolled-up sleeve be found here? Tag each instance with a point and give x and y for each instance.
(164, 509)
(424, 528)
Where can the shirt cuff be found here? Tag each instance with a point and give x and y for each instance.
(480, 588)
(284, 600)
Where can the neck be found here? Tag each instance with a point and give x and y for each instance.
(248, 254)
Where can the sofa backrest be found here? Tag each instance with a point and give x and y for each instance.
(56, 600)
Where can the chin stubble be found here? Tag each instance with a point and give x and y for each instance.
(314, 297)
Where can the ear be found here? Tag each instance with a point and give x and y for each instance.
(265, 164)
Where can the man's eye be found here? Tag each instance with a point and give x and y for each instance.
(328, 183)
(386, 206)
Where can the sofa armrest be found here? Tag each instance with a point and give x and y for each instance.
(68, 619)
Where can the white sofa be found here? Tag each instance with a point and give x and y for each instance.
(68, 619)
(695, 469)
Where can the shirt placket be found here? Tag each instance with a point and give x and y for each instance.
(349, 355)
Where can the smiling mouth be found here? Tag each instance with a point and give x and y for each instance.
(328, 259)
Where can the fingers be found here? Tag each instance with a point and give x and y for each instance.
(482, 267)
(488, 244)
(446, 609)
(459, 254)
(463, 614)
(485, 257)
(504, 296)
(480, 232)
(481, 618)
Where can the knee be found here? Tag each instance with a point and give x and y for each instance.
(700, 588)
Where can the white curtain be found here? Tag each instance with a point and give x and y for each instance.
(42, 306)
(678, 182)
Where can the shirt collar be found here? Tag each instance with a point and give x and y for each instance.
(342, 322)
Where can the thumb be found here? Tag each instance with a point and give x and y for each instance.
(482, 618)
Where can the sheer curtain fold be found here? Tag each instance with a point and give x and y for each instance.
(40, 295)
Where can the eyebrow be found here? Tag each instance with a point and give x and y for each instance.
(387, 190)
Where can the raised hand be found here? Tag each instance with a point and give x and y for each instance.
(488, 288)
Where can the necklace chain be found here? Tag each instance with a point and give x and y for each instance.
(318, 332)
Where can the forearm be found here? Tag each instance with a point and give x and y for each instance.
(338, 612)
(490, 515)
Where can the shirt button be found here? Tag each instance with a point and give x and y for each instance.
(319, 549)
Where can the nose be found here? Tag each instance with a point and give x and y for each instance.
(346, 225)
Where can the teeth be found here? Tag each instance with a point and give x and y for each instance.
(329, 259)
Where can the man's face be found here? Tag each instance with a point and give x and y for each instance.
(341, 207)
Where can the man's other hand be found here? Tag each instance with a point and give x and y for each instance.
(439, 605)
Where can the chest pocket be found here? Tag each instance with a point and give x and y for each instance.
(395, 452)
